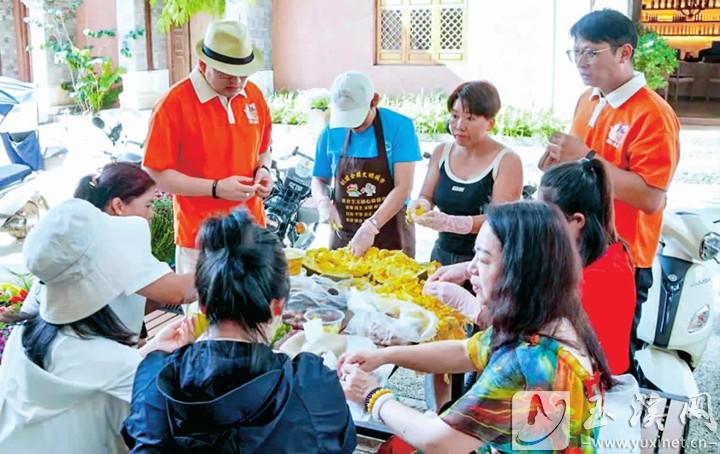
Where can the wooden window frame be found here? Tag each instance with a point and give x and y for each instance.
(406, 56)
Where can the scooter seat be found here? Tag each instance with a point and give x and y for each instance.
(12, 173)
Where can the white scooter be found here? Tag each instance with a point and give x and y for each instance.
(677, 318)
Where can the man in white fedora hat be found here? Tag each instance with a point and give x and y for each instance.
(364, 167)
(209, 137)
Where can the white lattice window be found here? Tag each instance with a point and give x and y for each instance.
(421, 31)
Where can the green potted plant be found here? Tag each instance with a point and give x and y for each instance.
(94, 82)
(162, 233)
(655, 58)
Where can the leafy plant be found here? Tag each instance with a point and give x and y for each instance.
(515, 122)
(162, 233)
(428, 112)
(176, 13)
(284, 109)
(94, 82)
(654, 57)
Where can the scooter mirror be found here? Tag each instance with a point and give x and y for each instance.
(98, 122)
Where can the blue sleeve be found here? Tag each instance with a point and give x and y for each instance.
(146, 430)
(323, 166)
(328, 412)
(406, 147)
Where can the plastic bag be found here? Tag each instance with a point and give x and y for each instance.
(389, 321)
(310, 292)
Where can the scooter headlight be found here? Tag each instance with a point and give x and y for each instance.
(710, 246)
(699, 319)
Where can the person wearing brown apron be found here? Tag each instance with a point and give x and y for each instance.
(367, 204)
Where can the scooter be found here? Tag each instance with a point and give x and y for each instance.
(288, 209)
(677, 318)
(20, 204)
(123, 149)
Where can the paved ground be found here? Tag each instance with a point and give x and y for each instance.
(697, 184)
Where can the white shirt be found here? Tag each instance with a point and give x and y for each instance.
(205, 93)
(77, 404)
(129, 306)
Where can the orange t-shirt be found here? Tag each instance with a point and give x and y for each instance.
(192, 132)
(639, 132)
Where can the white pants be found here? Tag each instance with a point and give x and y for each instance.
(185, 261)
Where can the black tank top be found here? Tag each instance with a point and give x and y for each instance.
(463, 198)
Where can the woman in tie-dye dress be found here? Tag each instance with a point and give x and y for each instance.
(526, 270)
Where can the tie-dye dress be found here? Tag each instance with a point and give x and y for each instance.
(539, 364)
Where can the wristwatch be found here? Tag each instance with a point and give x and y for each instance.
(590, 155)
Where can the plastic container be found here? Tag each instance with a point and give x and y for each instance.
(295, 260)
(331, 318)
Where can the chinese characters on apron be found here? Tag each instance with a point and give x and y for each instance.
(361, 186)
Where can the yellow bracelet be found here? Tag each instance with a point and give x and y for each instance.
(374, 398)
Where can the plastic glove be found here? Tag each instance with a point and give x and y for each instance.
(422, 205)
(457, 273)
(363, 238)
(452, 295)
(437, 220)
(328, 213)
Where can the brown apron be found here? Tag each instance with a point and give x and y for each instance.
(361, 185)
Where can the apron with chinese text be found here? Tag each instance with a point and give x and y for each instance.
(361, 186)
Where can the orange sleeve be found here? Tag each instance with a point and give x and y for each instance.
(654, 153)
(162, 147)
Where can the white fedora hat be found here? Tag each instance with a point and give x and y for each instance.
(227, 48)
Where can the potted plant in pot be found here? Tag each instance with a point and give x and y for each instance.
(655, 58)
(94, 82)
(316, 103)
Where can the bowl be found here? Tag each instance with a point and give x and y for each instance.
(331, 318)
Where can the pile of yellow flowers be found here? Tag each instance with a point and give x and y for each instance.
(392, 274)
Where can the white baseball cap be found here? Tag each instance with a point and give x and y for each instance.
(350, 98)
(85, 257)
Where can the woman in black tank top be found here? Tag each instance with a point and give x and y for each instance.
(463, 177)
(467, 174)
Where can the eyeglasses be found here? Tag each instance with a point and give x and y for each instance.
(574, 55)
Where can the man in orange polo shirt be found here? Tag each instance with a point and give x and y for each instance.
(627, 126)
(209, 138)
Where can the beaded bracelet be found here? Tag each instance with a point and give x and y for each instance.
(373, 396)
(369, 396)
(378, 404)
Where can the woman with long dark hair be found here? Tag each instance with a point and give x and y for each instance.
(125, 189)
(67, 372)
(230, 392)
(527, 271)
(583, 191)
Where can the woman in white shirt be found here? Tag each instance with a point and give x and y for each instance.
(125, 189)
(67, 372)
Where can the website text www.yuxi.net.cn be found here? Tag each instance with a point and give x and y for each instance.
(676, 443)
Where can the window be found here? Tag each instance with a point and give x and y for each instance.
(420, 31)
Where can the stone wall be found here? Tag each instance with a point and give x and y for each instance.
(131, 16)
(258, 17)
(8, 41)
